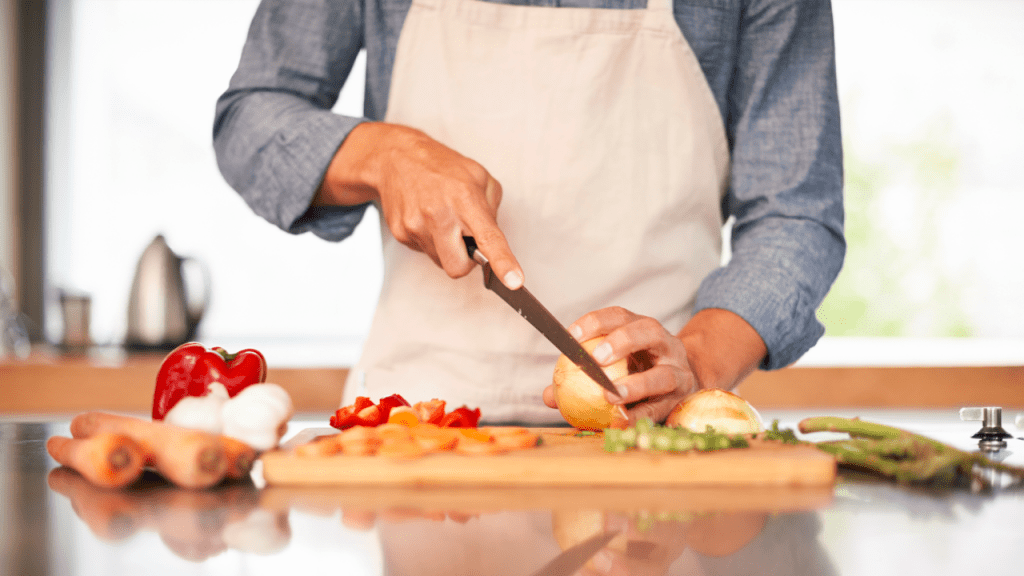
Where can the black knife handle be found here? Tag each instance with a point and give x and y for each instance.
(473, 251)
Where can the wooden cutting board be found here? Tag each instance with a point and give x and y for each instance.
(563, 459)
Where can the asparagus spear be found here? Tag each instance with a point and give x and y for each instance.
(902, 455)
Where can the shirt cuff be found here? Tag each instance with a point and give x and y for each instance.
(300, 159)
(776, 284)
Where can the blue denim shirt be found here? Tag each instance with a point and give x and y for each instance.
(769, 63)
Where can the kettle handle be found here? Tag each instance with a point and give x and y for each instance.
(196, 309)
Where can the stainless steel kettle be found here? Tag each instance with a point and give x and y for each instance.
(161, 314)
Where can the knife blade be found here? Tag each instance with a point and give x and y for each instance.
(572, 559)
(536, 314)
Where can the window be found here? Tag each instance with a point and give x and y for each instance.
(929, 90)
(133, 158)
(930, 96)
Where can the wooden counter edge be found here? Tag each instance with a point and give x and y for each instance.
(74, 385)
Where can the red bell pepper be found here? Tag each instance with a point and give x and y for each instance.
(431, 411)
(461, 417)
(190, 368)
(361, 413)
(386, 404)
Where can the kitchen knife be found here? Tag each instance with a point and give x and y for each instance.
(572, 559)
(530, 308)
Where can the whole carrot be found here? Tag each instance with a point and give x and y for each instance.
(240, 457)
(112, 515)
(106, 459)
(188, 458)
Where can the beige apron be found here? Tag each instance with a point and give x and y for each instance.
(612, 156)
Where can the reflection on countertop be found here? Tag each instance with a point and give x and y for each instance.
(55, 523)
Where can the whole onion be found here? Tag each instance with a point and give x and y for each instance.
(722, 410)
(581, 400)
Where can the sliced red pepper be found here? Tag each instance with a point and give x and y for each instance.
(343, 418)
(190, 368)
(348, 416)
(431, 411)
(369, 416)
(363, 412)
(461, 417)
(360, 403)
(386, 404)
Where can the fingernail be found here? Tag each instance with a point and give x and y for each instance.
(622, 392)
(576, 331)
(603, 352)
(513, 280)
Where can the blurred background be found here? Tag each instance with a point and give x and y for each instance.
(106, 110)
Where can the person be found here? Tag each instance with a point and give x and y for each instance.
(594, 150)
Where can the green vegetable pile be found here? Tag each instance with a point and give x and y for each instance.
(646, 435)
(877, 449)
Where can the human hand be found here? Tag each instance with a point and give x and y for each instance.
(430, 196)
(637, 547)
(649, 548)
(660, 373)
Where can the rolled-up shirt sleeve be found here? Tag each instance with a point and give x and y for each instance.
(274, 132)
(785, 193)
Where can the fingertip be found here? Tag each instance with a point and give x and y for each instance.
(621, 398)
(549, 397)
(513, 280)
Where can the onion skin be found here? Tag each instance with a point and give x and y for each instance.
(581, 401)
(722, 410)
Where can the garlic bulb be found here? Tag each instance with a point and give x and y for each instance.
(200, 412)
(258, 415)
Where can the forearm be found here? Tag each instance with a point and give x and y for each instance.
(721, 348)
(353, 176)
(274, 132)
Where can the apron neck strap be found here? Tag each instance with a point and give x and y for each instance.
(659, 5)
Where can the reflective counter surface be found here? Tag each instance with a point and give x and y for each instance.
(54, 522)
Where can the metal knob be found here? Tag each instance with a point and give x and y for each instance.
(991, 437)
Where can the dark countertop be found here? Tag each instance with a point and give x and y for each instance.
(52, 522)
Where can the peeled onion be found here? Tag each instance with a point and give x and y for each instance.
(722, 410)
(581, 400)
(571, 527)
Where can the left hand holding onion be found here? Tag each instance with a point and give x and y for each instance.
(659, 373)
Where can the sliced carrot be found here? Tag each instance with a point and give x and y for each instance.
(517, 441)
(323, 446)
(393, 432)
(403, 415)
(469, 446)
(496, 431)
(433, 438)
(397, 448)
(475, 434)
(105, 459)
(359, 441)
